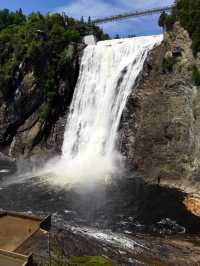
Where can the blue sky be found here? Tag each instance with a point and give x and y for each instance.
(97, 8)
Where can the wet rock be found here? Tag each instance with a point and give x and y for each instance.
(7, 165)
(167, 227)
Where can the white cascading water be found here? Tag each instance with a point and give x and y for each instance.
(108, 73)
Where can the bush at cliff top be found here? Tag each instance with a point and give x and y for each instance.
(188, 13)
(196, 76)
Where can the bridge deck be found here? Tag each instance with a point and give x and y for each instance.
(132, 14)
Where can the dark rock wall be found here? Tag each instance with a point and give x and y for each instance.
(22, 132)
(160, 128)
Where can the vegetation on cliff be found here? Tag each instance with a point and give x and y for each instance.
(196, 75)
(39, 66)
(41, 40)
(188, 13)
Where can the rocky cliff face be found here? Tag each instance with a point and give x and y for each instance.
(160, 128)
(23, 130)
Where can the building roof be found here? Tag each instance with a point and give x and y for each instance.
(19, 235)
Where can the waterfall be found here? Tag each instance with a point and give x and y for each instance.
(107, 76)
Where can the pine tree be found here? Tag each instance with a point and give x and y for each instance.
(89, 20)
(162, 19)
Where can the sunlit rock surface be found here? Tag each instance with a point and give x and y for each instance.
(160, 128)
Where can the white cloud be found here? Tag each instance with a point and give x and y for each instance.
(102, 8)
(86, 8)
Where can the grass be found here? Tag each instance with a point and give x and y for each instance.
(89, 261)
(150, 261)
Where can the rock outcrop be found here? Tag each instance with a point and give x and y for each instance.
(160, 128)
(24, 131)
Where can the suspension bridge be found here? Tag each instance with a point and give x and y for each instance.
(132, 14)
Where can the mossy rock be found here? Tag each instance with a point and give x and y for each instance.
(196, 75)
(168, 169)
(89, 261)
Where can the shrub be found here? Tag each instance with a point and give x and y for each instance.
(166, 21)
(162, 19)
(168, 64)
(196, 75)
(188, 13)
(169, 22)
(44, 112)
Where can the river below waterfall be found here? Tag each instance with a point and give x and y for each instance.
(126, 220)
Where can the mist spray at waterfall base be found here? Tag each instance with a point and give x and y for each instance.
(84, 169)
(108, 73)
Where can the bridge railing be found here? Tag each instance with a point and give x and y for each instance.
(132, 14)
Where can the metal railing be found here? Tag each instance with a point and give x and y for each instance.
(132, 14)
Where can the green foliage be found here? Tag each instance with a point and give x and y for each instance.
(188, 13)
(196, 75)
(169, 22)
(166, 21)
(196, 42)
(8, 18)
(162, 19)
(81, 261)
(90, 261)
(41, 43)
(44, 112)
(168, 64)
(57, 257)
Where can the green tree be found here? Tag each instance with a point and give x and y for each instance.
(82, 19)
(196, 76)
(162, 19)
(47, 57)
(18, 17)
(188, 13)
